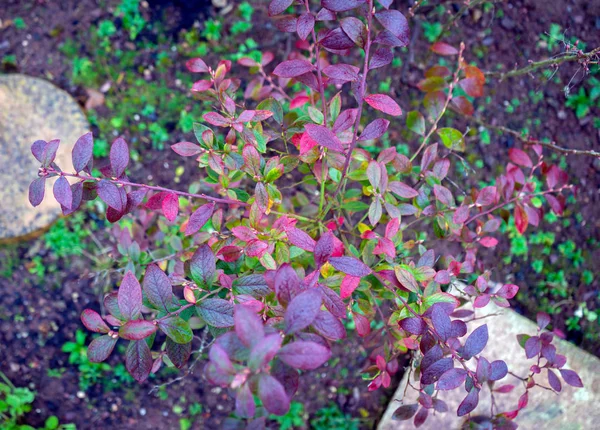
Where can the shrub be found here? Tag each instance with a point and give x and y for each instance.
(272, 273)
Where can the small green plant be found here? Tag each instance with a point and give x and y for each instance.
(19, 23)
(67, 236)
(15, 403)
(432, 30)
(293, 418)
(331, 417)
(583, 102)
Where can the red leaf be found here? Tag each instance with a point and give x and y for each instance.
(129, 297)
(202, 85)
(293, 68)
(486, 196)
(199, 218)
(217, 119)
(374, 130)
(519, 157)
(363, 326)
(508, 291)
(521, 218)
(186, 149)
(137, 329)
(472, 87)
(93, 321)
(349, 284)
(170, 206)
(304, 355)
(488, 241)
(62, 192)
(462, 105)
(443, 195)
(324, 137)
(196, 65)
(384, 103)
(82, 152)
(119, 157)
(442, 48)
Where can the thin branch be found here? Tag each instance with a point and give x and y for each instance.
(583, 57)
(527, 140)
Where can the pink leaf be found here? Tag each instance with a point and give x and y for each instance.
(374, 130)
(442, 48)
(519, 157)
(324, 137)
(293, 68)
(170, 206)
(384, 103)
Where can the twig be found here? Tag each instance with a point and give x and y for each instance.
(586, 57)
(468, 5)
(527, 140)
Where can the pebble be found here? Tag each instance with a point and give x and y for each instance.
(81, 395)
(143, 411)
(561, 114)
(507, 23)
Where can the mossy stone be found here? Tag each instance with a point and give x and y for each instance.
(32, 109)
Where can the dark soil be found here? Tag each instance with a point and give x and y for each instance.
(38, 316)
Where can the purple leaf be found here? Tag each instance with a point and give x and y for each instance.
(178, 353)
(395, 23)
(346, 120)
(248, 325)
(333, 303)
(157, 287)
(498, 370)
(441, 322)
(554, 381)
(402, 190)
(324, 137)
(273, 395)
(286, 283)
(413, 325)
(199, 218)
(543, 319)
(405, 412)
(382, 57)
(288, 377)
(342, 72)
(101, 348)
(443, 195)
(110, 194)
(421, 417)
(452, 379)
(304, 355)
(475, 342)
(36, 191)
(264, 351)
(324, 248)
(571, 378)
(216, 312)
(82, 152)
(374, 130)
(254, 285)
(93, 321)
(329, 326)
(305, 25)
(336, 40)
(119, 157)
(301, 239)
(244, 402)
(293, 68)
(37, 149)
(77, 194)
(278, 6)
(302, 310)
(137, 329)
(350, 266)
(63, 193)
(341, 5)
(533, 346)
(355, 30)
(469, 403)
(138, 360)
(203, 266)
(436, 370)
(129, 297)
(49, 152)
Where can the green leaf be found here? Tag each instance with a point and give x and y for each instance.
(315, 115)
(438, 298)
(261, 143)
(452, 138)
(176, 328)
(273, 106)
(416, 122)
